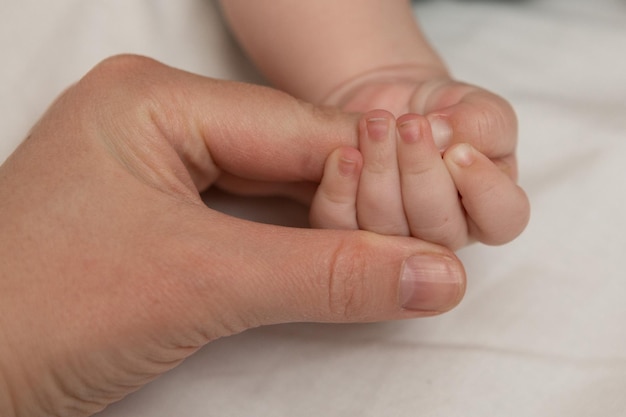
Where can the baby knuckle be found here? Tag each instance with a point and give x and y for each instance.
(497, 117)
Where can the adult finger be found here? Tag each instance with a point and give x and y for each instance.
(217, 126)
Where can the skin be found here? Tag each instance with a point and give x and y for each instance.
(110, 256)
(415, 179)
(114, 270)
(400, 184)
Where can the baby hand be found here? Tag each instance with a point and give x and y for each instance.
(400, 183)
(457, 112)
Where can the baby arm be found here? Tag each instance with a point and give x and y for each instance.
(311, 49)
(414, 179)
(362, 55)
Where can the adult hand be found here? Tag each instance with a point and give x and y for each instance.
(113, 269)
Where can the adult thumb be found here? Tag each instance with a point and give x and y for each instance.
(262, 274)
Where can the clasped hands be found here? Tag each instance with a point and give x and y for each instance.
(114, 270)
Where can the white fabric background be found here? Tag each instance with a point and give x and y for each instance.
(541, 331)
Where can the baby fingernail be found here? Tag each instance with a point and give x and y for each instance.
(431, 283)
(409, 131)
(463, 155)
(347, 166)
(377, 128)
(442, 132)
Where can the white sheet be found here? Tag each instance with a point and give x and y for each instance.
(541, 331)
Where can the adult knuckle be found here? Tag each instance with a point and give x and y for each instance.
(120, 82)
(124, 66)
(347, 295)
(123, 90)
